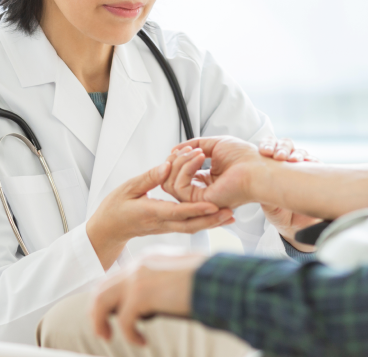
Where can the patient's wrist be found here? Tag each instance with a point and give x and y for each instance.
(261, 180)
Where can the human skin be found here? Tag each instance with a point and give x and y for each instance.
(180, 184)
(156, 284)
(308, 188)
(84, 34)
(325, 191)
(127, 212)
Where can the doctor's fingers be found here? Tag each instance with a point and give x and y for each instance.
(178, 159)
(170, 211)
(206, 144)
(183, 170)
(277, 149)
(194, 225)
(283, 149)
(174, 155)
(298, 155)
(267, 146)
(140, 185)
(311, 158)
(192, 182)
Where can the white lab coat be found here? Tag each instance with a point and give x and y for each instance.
(90, 156)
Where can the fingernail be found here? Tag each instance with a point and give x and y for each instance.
(298, 157)
(176, 151)
(193, 153)
(268, 148)
(281, 153)
(184, 151)
(162, 169)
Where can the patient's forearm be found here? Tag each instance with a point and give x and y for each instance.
(324, 191)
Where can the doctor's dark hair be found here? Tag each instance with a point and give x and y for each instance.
(24, 14)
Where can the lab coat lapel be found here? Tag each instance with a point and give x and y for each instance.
(75, 109)
(72, 104)
(125, 108)
(24, 53)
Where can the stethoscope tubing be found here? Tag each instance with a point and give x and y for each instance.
(174, 84)
(14, 227)
(46, 168)
(33, 144)
(23, 125)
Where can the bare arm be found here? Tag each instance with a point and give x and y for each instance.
(239, 175)
(318, 190)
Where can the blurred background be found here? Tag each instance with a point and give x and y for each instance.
(304, 63)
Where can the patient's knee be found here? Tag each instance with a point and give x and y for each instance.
(67, 325)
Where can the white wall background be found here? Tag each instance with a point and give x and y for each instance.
(304, 62)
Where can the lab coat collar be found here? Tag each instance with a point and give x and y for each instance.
(36, 62)
(72, 105)
(24, 54)
(74, 108)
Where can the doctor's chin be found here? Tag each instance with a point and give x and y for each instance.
(183, 178)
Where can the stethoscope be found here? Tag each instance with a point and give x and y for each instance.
(30, 139)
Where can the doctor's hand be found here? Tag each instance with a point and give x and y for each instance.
(127, 212)
(157, 284)
(230, 182)
(283, 150)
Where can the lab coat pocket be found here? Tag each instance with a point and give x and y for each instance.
(34, 206)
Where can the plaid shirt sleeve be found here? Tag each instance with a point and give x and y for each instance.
(284, 308)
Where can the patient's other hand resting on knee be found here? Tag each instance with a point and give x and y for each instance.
(156, 284)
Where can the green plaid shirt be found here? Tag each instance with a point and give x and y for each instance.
(284, 308)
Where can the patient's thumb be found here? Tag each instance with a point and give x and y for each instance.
(140, 185)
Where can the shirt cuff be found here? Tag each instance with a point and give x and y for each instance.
(292, 252)
(85, 253)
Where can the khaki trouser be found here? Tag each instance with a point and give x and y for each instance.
(67, 327)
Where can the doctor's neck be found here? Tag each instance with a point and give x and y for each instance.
(89, 59)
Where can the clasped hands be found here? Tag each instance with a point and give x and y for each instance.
(238, 175)
(237, 169)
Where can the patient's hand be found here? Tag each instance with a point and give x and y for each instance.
(229, 182)
(157, 284)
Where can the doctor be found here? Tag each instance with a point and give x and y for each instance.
(59, 62)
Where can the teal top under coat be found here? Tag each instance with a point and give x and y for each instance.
(99, 99)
